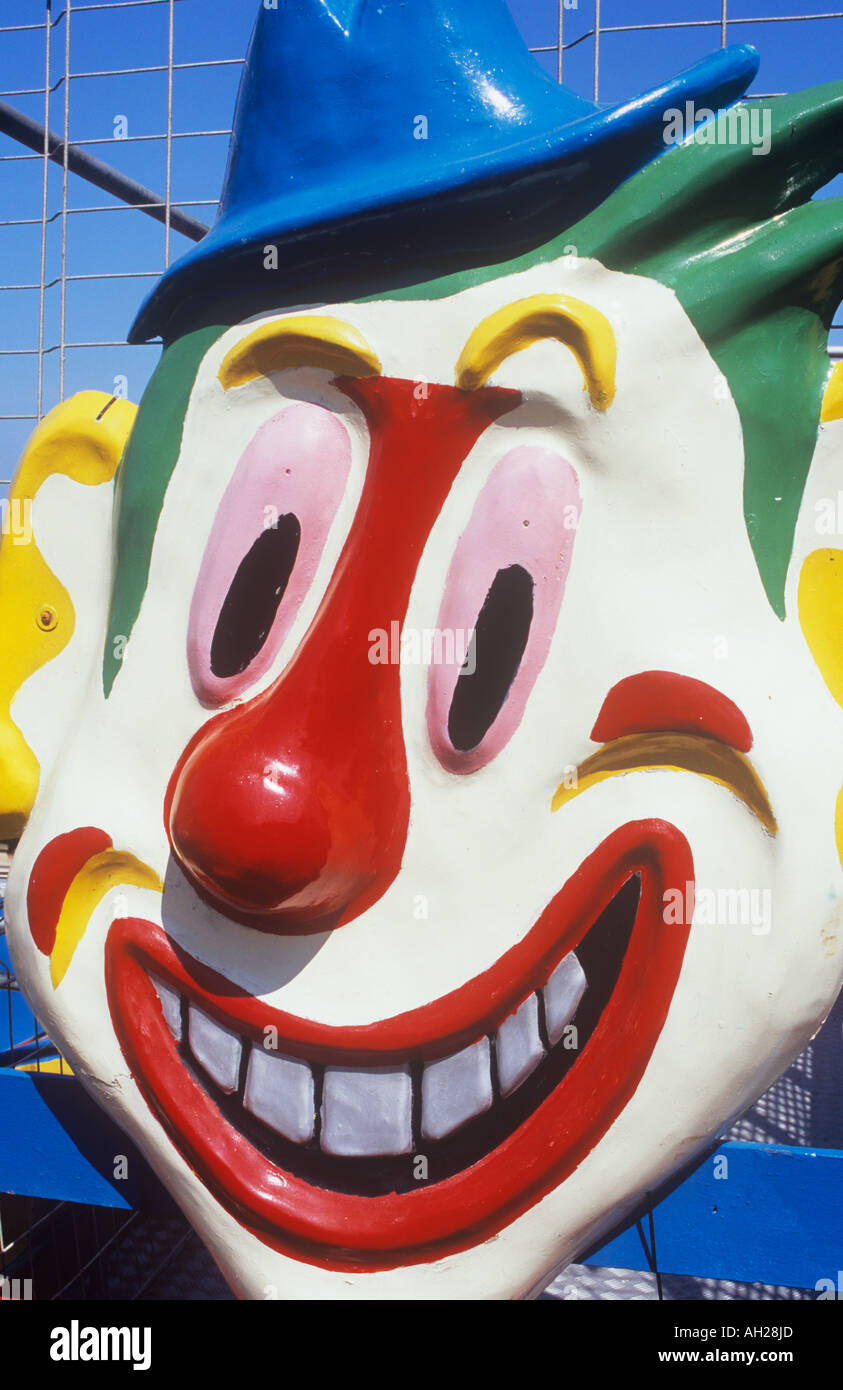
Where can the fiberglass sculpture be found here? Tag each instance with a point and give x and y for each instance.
(421, 718)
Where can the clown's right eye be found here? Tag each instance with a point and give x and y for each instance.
(264, 548)
(502, 598)
(254, 597)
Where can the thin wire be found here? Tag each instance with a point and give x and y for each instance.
(63, 289)
(169, 147)
(45, 184)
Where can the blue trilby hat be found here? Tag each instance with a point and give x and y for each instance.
(417, 134)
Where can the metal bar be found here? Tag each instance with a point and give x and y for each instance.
(168, 157)
(724, 23)
(64, 177)
(158, 67)
(77, 161)
(45, 179)
(55, 347)
(119, 5)
(560, 40)
(596, 50)
(717, 23)
(136, 139)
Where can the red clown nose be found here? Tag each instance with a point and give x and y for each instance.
(290, 813)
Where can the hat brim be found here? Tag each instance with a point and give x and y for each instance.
(583, 161)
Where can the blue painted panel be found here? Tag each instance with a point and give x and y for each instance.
(776, 1218)
(55, 1142)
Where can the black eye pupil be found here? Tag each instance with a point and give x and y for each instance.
(249, 608)
(495, 652)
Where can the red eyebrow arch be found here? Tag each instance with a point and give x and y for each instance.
(658, 701)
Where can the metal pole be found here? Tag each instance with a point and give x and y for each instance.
(63, 286)
(596, 50)
(560, 48)
(37, 137)
(169, 145)
(39, 401)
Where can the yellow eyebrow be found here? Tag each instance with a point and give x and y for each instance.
(582, 328)
(303, 341)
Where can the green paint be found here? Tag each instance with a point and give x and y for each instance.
(757, 267)
(142, 482)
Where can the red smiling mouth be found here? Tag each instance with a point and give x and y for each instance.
(323, 1198)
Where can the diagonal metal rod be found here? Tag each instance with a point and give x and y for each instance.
(35, 137)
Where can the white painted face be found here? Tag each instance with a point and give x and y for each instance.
(325, 1104)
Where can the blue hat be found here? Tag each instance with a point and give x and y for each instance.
(375, 135)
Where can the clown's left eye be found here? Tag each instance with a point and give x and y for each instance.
(264, 548)
(502, 598)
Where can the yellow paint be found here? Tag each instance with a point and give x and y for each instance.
(302, 341)
(55, 1065)
(833, 399)
(112, 868)
(673, 752)
(582, 328)
(820, 601)
(84, 441)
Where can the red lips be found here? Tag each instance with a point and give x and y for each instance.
(342, 1230)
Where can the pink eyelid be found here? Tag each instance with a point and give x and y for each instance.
(298, 462)
(526, 515)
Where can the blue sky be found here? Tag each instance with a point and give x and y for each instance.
(207, 31)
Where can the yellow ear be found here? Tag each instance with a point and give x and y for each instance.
(832, 408)
(820, 601)
(83, 439)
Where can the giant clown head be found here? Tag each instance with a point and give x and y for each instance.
(429, 745)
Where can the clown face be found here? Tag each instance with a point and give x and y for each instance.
(439, 849)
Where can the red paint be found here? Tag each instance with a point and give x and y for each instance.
(656, 701)
(290, 813)
(52, 874)
(344, 1231)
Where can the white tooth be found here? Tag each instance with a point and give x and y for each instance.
(562, 995)
(519, 1046)
(279, 1091)
(367, 1111)
(455, 1089)
(216, 1048)
(170, 1007)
